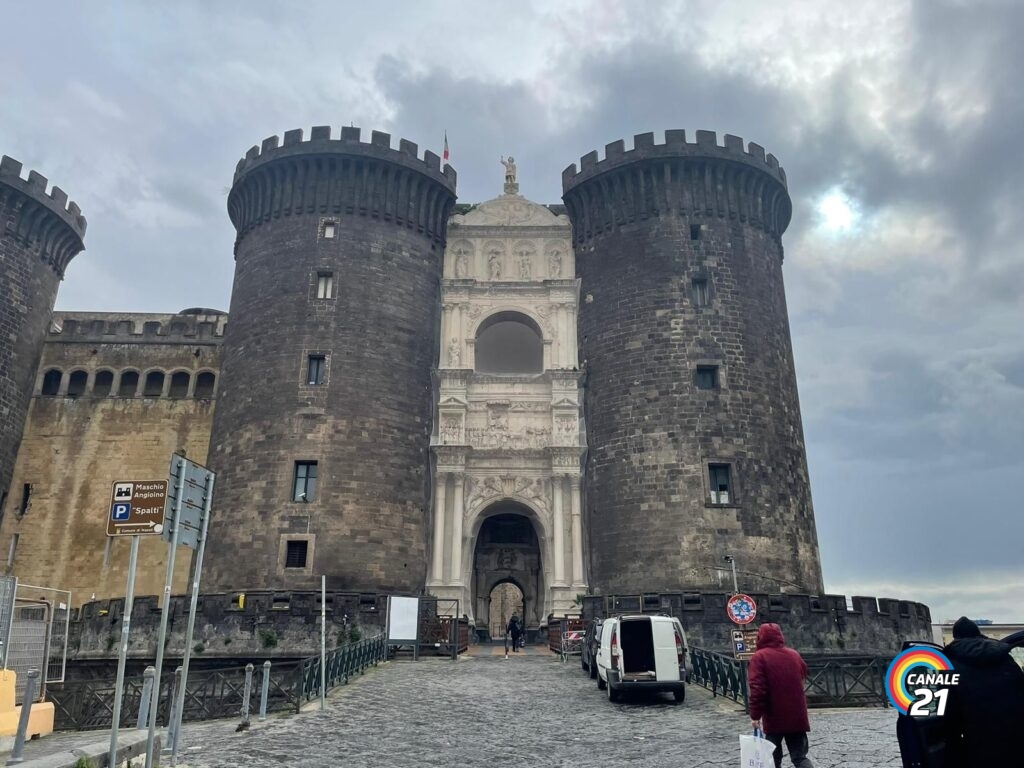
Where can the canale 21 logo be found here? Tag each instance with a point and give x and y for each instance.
(919, 678)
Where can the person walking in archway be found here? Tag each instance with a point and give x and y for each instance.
(515, 631)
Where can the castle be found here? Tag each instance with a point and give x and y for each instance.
(411, 395)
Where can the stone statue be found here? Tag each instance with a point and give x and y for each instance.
(494, 262)
(454, 354)
(510, 169)
(461, 264)
(555, 264)
(524, 266)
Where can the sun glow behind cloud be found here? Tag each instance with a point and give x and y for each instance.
(838, 213)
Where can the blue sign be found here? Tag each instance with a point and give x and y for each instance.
(120, 511)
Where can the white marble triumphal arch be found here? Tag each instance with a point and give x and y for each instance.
(510, 439)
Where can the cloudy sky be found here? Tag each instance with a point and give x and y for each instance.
(899, 125)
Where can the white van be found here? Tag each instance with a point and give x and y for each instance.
(642, 653)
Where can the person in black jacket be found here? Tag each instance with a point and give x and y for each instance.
(515, 631)
(985, 710)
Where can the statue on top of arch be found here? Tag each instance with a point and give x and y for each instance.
(511, 182)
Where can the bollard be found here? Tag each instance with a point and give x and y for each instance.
(17, 756)
(266, 690)
(147, 693)
(247, 693)
(172, 727)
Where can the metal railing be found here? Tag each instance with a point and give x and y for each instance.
(832, 681)
(212, 693)
(847, 681)
(721, 674)
(342, 663)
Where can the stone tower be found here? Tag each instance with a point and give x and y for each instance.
(696, 448)
(39, 235)
(322, 429)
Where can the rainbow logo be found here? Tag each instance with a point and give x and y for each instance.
(896, 678)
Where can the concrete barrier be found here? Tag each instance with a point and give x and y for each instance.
(130, 745)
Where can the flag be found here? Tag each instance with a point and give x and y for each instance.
(447, 154)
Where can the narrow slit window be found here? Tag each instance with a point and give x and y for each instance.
(26, 499)
(700, 291)
(695, 231)
(325, 285)
(316, 370)
(304, 489)
(720, 483)
(295, 554)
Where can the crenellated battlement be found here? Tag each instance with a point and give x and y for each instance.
(43, 220)
(325, 175)
(705, 147)
(349, 143)
(676, 179)
(190, 326)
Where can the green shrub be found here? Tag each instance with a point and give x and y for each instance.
(269, 638)
(198, 648)
(354, 635)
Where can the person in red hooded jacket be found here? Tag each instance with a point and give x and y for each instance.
(777, 702)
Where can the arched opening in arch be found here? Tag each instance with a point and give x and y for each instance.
(154, 386)
(507, 551)
(51, 382)
(179, 384)
(77, 383)
(506, 601)
(509, 342)
(129, 384)
(205, 382)
(103, 383)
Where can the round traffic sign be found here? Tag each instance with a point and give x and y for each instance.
(741, 609)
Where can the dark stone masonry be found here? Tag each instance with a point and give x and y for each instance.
(40, 233)
(372, 221)
(693, 422)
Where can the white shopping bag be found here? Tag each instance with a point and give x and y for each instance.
(756, 751)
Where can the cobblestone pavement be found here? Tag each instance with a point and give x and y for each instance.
(529, 710)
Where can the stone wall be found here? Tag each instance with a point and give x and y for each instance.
(228, 625)
(679, 254)
(373, 219)
(77, 442)
(810, 623)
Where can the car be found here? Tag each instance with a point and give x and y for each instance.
(591, 642)
(642, 653)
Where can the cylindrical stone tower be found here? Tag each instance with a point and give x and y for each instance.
(322, 426)
(696, 449)
(39, 235)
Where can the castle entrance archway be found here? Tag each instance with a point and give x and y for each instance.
(507, 552)
(506, 601)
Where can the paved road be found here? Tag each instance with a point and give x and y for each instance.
(530, 710)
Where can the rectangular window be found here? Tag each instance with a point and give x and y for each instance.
(316, 369)
(325, 285)
(720, 483)
(695, 231)
(700, 292)
(295, 554)
(329, 230)
(305, 481)
(14, 548)
(707, 377)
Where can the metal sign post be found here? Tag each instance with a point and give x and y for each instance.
(197, 573)
(323, 642)
(136, 510)
(185, 514)
(122, 654)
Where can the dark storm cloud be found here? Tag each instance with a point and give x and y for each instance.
(925, 450)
